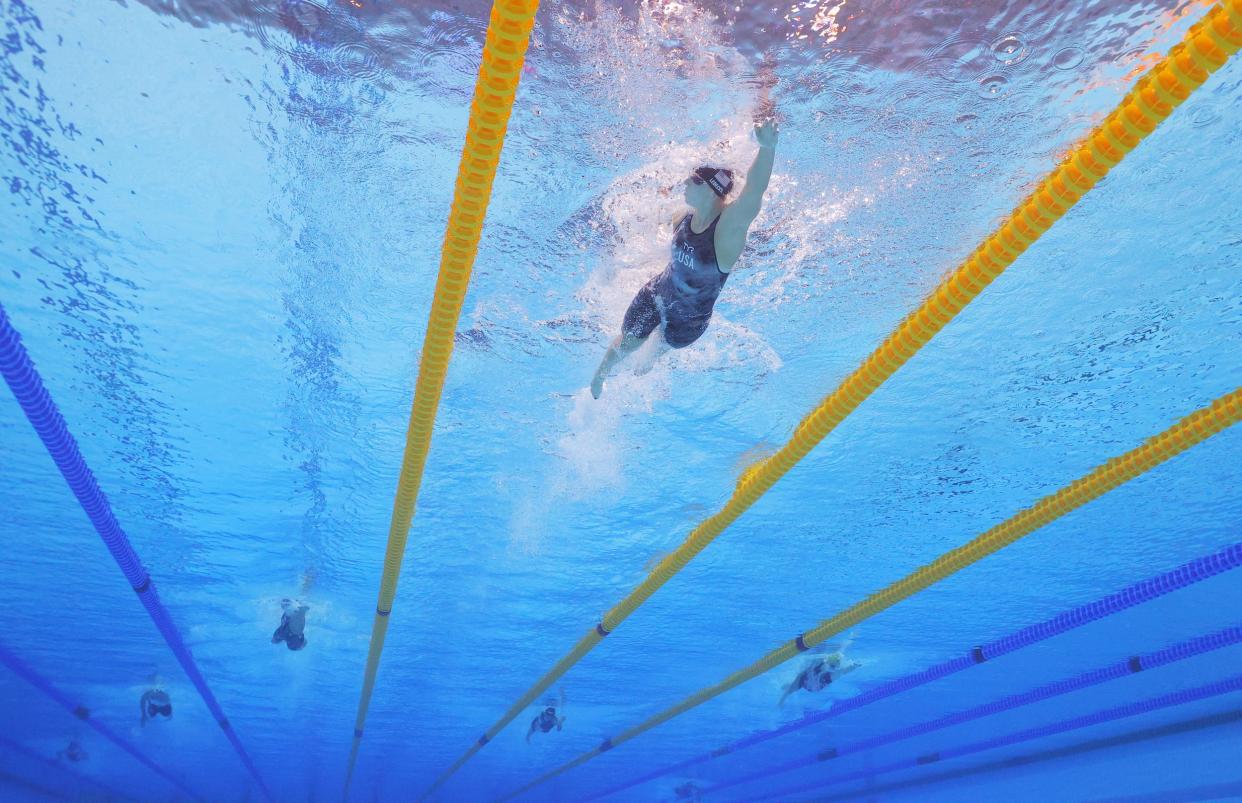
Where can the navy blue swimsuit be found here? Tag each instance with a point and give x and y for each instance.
(684, 293)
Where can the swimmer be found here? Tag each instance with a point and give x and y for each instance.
(548, 719)
(689, 791)
(820, 673)
(292, 625)
(73, 752)
(155, 702)
(706, 245)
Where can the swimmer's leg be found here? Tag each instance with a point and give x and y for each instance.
(641, 319)
(647, 359)
(623, 346)
(661, 344)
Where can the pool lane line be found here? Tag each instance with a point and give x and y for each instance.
(1205, 692)
(1190, 431)
(31, 394)
(504, 52)
(1126, 667)
(1139, 593)
(1205, 48)
(1218, 720)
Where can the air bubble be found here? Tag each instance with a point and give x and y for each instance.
(357, 60)
(967, 124)
(448, 71)
(1068, 58)
(1204, 115)
(956, 60)
(993, 86)
(1009, 49)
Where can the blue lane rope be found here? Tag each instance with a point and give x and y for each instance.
(26, 673)
(1183, 576)
(21, 749)
(27, 386)
(1178, 652)
(1207, 691)
(1022, 760)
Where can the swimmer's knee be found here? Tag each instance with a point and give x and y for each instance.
(627, 342)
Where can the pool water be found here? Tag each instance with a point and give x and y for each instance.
(219, 246)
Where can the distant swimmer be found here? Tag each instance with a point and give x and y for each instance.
(706, 245)
(73, 752)
(155, 702)
(551, 717)
(820, 673)
(689, 791)
(292, 630)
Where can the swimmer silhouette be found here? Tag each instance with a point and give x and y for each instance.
(292, 630)
(73, 752)
(155, 702)
(821, 672)
(706, 245)
(552, 716)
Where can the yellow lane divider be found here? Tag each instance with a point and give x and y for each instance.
(1195, 428)
(504, 52)
(1206, 47)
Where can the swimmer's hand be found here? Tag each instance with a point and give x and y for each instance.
(597, 385)
(767, 133)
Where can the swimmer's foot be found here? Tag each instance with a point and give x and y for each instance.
(647, 359)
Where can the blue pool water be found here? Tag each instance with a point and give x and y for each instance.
(219, 246)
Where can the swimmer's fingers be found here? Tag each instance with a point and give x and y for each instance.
(767, 132)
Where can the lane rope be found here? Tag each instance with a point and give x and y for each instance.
(504, 53)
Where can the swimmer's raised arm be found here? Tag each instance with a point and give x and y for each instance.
(736, 218)
(751, 197)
